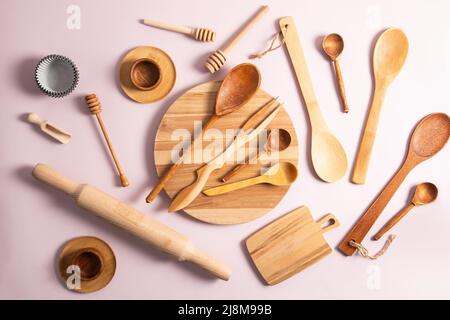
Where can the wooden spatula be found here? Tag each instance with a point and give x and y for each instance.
(290, 244)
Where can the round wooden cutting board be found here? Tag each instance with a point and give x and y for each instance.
(235, 207)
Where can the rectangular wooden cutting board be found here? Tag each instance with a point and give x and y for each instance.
(290, 244)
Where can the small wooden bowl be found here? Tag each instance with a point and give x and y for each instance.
(90, 262)
(145, 74)
(95, 260)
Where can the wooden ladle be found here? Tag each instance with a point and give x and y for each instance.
(425, 193)
(277, 140)
(429, 137)
(389, 56)
(237, 88)
(281, 174)
(333, 45)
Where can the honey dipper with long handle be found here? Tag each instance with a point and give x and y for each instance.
(95, 108)
(200, 34)
(141, 225)
(217, 59)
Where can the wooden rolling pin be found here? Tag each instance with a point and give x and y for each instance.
(217, 59)
(200, 34)
(119, 213)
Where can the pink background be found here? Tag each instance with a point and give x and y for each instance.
(35, 221)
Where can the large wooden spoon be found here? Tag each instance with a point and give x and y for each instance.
(389, 56)
(281, 174)
(327, 154)
(429, 137)
(237, 88)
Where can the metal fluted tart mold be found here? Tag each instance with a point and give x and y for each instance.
(56, 75)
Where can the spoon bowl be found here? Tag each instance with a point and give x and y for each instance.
(328, 157)
(430, 135)
(281, 174)
(389, 55)
(425, 193)
(237, 88)
(278, 140)
(333, 45)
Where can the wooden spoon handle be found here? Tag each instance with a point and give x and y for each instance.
(235, 186)
(238, 168)
(171, 171)
(341, 86)
(234, 41)
(362, 227)
(388, 226)
(368, 138)
(168, 26)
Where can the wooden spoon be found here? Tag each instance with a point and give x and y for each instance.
(429, 137)
(237, 88)
(333, 45)
(281, 174)
(389, 56)
(327, 154)
(279, 139)
(425, 193)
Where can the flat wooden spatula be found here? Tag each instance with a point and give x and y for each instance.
(290, 244)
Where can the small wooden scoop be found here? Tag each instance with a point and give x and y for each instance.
(389, 56)
(281, 174)
(425, 193)
(54, 132)
(238, 87)
(429, 137)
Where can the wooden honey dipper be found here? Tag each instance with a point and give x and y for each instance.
(217, 59)
(95, 108)
(200, 34)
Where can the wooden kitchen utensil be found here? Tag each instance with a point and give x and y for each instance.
(333, 45)
(389, 56)
(200, 34)
(194, 106)
(328, 156)
(147, 74)
(217, 59)
(279, 139)
(189, 193)
(237, 88)
(54, 132)
(425, 193)
(95, 260)
(281, 174)
(429, 137)
(95, 108)
(290, 244)
(141, 225)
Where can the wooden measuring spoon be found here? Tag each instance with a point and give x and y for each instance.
(279, 139)
(327, 154)
(281, 174)
(333, 45)
(429, 137)
(237, 88)
(389, 56)
(425, 193)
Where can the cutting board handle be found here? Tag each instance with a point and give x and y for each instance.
(328, 222)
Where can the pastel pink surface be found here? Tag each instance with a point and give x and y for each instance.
(35, 220)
